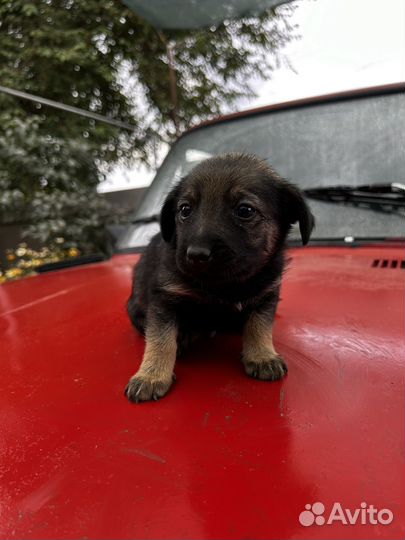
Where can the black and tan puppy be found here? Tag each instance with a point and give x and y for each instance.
(217, 264)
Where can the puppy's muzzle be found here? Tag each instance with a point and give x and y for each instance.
(198, 255)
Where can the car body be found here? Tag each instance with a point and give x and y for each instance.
(222, 455)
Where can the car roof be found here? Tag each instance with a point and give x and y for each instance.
(384, 89)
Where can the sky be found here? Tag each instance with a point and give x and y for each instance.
(344, 44)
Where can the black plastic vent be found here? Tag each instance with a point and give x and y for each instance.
(388, 263)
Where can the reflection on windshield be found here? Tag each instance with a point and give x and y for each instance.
(351, 142)
(194, 156)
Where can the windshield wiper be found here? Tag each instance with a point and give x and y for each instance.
(69, 263)
(347, 241)
(387, 198)
(144, 220)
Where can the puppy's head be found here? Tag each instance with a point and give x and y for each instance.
(229, 215)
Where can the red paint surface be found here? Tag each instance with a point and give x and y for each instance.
(222, 456)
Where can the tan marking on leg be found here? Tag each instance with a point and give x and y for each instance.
(160, 351)
(257, 338)
(155, 375)
(259, 356)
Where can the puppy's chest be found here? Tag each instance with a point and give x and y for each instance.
(232, 301)
(212, 311)
(235, 300)
(214, 302)
(211, 314)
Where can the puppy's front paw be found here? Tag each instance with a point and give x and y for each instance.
(146, 388)
(271, 369)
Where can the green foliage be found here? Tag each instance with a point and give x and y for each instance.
(49, 183)
(102, 57)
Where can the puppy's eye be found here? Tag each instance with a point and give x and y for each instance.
(245, 211)
(184, 211)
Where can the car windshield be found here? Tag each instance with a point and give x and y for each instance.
(351, 142)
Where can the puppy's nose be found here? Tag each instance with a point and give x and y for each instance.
(198, 254)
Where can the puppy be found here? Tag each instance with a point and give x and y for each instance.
(216, 265)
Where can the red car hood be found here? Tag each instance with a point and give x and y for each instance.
(222, 456)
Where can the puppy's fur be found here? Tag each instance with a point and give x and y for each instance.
(216, 265)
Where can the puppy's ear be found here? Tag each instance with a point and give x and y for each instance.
(168, 215)
(294, 208)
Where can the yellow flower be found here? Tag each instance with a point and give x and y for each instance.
(10, 256)
(13, 272)
(73, 252)
(20, 252)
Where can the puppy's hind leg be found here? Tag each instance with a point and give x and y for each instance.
(155, 375)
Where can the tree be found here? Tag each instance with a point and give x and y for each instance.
(102, 57)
